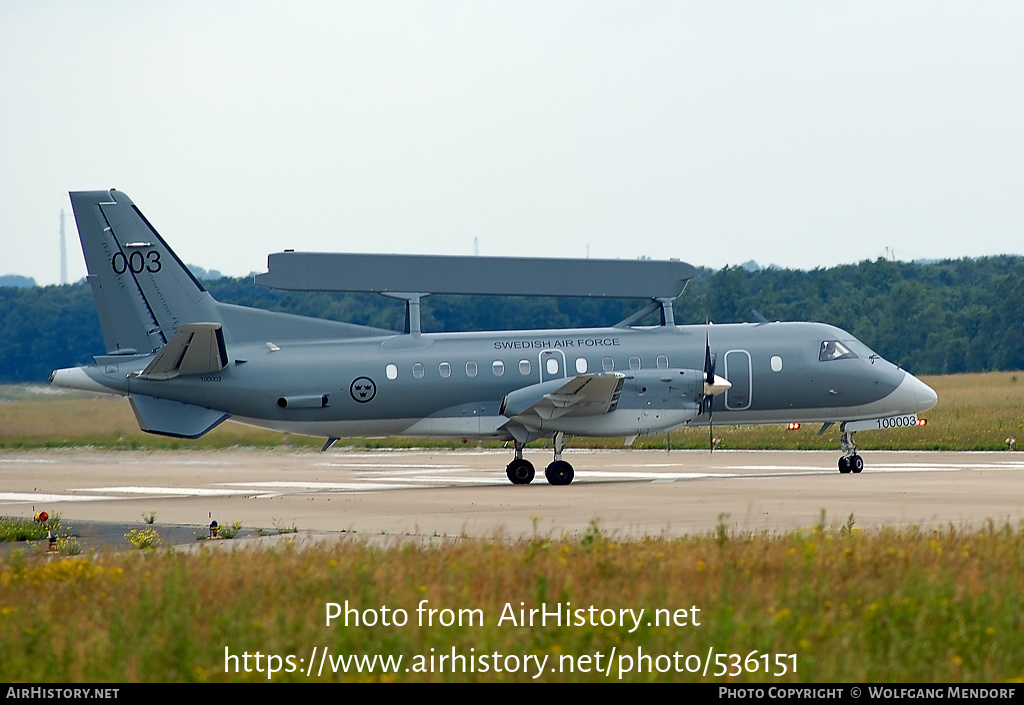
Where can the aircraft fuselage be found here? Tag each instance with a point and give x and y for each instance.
(451, 384)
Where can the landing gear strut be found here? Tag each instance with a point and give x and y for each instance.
(559, 472)
(850, 462)
(520, 470)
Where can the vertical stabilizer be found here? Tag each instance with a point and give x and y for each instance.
(142, 290)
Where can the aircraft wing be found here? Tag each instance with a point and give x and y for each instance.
(196, 348)
(583, 395)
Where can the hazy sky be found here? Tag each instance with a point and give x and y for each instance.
(804, 134)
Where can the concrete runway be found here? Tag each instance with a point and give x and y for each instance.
(431, 494)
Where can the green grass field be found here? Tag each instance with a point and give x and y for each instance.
(975, 412)
(830, 604)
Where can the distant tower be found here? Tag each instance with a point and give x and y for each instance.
(63, 251)
(476, 246)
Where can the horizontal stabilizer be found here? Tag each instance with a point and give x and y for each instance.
(174, 418)
(197, 348)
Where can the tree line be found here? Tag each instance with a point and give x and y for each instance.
(936, 318)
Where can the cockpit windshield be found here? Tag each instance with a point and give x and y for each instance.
(845, 350)
(861, 349)
(834, 350)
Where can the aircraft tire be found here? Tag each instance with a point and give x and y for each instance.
(559, 473)
(520, 472)
(856, 463)
(845, 466)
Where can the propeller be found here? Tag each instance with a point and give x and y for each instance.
(713, 385)
(708, 400)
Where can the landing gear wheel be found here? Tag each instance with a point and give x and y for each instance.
(520, 472)
(559, 473)
(850, 462)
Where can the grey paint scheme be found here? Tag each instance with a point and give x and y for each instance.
(500, 276)
(300, 375)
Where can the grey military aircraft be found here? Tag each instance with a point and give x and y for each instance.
(187, 362)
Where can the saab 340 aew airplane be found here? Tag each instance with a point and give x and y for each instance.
(188, 362)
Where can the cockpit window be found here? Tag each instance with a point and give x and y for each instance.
(861, 349)
(834, 350)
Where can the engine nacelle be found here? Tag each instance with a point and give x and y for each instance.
(647, 402)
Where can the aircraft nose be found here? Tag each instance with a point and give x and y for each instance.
(925, 395)
(910, 397)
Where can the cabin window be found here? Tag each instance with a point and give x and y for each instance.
(634, 363)
(581, 365)
(551, 364)
(608, 364)
(498, 368)
(418, 370)
(776, 363)
(471, 369)
(524, 367)
(662, 362)
(391, 371)
(445, 369)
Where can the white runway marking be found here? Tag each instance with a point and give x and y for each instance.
(881, 467)
(653, 476)
(36, 497)
(167, 491)
(451, 480)
(1009, 465)
(387, 466)
(326, 486)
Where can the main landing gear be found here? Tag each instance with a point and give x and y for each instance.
(850, 462)
(520, 471)
(559, 472)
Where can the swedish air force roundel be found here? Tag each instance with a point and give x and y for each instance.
(363, 389)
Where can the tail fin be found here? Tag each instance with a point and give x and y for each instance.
(143, 292)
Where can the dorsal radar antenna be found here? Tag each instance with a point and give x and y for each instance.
(411, 277)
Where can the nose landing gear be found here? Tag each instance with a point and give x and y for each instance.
(850, 462)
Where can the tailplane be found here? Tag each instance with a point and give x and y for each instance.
(143, 292)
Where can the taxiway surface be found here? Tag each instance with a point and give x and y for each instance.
(630, 493)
